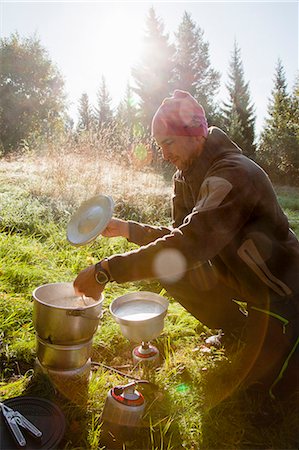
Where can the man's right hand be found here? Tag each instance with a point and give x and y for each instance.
(116, 227)
(86, 284)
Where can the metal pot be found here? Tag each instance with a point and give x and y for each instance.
(63, 325)
(63, 357)
(83, 372)
(140, 315)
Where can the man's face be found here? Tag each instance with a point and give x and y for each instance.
(180, 150)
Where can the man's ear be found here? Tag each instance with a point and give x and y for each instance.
(199, 140)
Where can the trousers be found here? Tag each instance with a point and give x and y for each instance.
(268, 336)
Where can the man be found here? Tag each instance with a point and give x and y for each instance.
(230, 258)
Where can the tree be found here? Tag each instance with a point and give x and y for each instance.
(153, 75)
(31, 91)
(192, 71)
(86, 117)
(295, 106)
(278, 149)
(127, 109)
(104, 113)
(235, 129)
(238, 112)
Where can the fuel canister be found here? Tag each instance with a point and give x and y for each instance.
(124, 406)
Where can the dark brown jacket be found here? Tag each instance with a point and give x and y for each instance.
(224, 210)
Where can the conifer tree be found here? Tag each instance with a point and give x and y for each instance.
(153, 75)
(104, 112)
(278, 149)
(236, 130)
(86, 117)
(127, 109)
(295, 106)
(193, 71)
(238, 112)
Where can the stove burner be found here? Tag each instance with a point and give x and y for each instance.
(145, 353)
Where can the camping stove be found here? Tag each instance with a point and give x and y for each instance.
(145, 353)
(141, 318)
(124, 406)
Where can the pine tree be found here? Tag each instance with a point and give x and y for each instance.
(104, 113)
(193, 71)
(295, 106)
(86, 117)
(293, 126)
(278, 149)
(296, 88)
(153, 75)
(236, 130)
(238, 112)
(127, 109)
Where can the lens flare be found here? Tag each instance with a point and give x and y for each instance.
(170, 265)
(138, 130)
(140, 152)
(141, 155)
(182, 388)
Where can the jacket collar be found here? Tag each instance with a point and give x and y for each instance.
(216, 145)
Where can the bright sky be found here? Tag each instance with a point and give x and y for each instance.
(89, 39)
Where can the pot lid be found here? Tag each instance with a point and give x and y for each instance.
(90, 220)
(45, 415)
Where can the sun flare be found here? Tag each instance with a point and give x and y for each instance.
(120, 49)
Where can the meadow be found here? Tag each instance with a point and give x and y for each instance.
(188, 405)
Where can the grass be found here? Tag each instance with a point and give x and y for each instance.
(188, 406)
(289, 199)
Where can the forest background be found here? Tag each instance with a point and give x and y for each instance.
(34, 104)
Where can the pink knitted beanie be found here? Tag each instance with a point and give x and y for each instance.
(180, 115)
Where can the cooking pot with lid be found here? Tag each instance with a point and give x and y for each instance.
(62, 318)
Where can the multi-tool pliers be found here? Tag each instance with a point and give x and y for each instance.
(14, 420)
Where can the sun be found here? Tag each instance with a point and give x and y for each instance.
(120, 46)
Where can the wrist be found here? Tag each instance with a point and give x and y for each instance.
(102, 273)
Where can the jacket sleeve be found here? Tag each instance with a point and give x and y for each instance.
(143, 234)
(222, 208)
(179, 208)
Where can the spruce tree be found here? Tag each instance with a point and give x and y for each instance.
(238, 112)
(293, 127)
(153, 75)
(295, 107)
(278, 149)
(127, 109)
(236, 130)
(86, 117)
(104, 112)
(192, 71)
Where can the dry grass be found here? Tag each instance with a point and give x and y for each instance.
(70, 177)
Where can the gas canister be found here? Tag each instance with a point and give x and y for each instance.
(124, 406)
